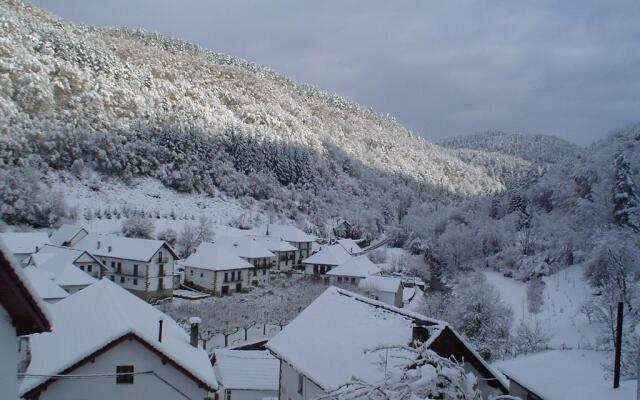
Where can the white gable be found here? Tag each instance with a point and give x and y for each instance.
(86, 321)
(247, 369)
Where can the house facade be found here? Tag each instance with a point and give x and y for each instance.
(285, 252)
(145, 267)
(331, 340)
(352, 271)
(21, 313)
(386, 289)
(294, 236)
(132, 350)
(251, 250)
(215, 269)
(325, 260)
(246, 374)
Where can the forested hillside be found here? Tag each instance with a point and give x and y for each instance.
(129, 103)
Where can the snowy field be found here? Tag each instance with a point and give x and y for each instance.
(560, 316)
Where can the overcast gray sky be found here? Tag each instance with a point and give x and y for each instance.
(442, 68)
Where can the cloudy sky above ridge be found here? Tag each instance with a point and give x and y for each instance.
(442, 68)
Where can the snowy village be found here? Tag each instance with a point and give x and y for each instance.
(190, 209)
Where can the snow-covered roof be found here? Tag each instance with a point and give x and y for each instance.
(92, 318)
(24, 242)
(215, 257)
(566, 375)
(65, 233)
(245, 247)
(359, 267)
(350, 245)
(380, 283)
(273, 243)
(330, 340)
(56, 263)
(289, 233)
(45, 287)
(60, 254)
(121, 247)
(247, 369)
(330, 255)
(19, 298)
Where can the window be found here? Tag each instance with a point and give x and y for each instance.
(300, 383)
(89, 268)
(191, 272)
(124, 374)
(339, 279)
(353, 281)
(135, 281)
(201, 275)
(119, 267)
(82, 268)
(226, 277)
(255, 272)
(113, 278)
(113, 264)
(135, 269)
(264, 272)
(233, 276)
(239, 275)
(122, 279)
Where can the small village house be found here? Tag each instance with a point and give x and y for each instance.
(562, 375)
(353, 271)
(46, 289)
(215, 269)
(131, 350)
(252, 251)
(284, 251)
(246, 374)
(55, 256)
(386, 289)
(330, 342)
(145, 267)
(325, 260)
(22, 312)
(68, 235)
(23, 244)
(289, 233)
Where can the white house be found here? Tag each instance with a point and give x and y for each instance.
(289, 233)
(353, 271)
(23, 244)
(22, 312)
(252, 251)
(68, 235)
(145, 267)
(563, 375)
(350, 245)
(127, 348)
(284, 251)
(384, 288)
(325, 260)
(217, 270)
(61, 255)
(46, 289)
(334, 340)
(246, 374)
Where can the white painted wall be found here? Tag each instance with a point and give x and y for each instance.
(241, 394)
(144, 386)
(214, 280)
(8, 357)
(289, 385)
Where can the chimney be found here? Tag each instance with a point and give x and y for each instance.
(160, 321)
(109, 249)
(618, 344)
(98, 247)
(195, 325)
(37, 249)
(267, 229)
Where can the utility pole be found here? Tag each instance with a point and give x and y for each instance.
(618, 344)
(638, 371)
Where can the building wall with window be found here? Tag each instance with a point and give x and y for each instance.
(286, 260)
(304, 251)
(89, 265)
(245, 394)
(146, 386)
(295, 386)
(147, 280)
(215, 282)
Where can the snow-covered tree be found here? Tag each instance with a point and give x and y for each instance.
(535, 294)
(626, 205)
(138, 227)
(424, 375)
(169, 235)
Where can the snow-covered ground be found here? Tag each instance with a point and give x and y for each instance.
(564, 292)
(150, 196)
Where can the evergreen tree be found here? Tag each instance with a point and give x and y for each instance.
(626, 206)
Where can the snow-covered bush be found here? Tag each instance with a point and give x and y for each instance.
(530, 338)
(169, 235)
(535, 291)
(424, 375)
(138, 227)
(378, 256)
